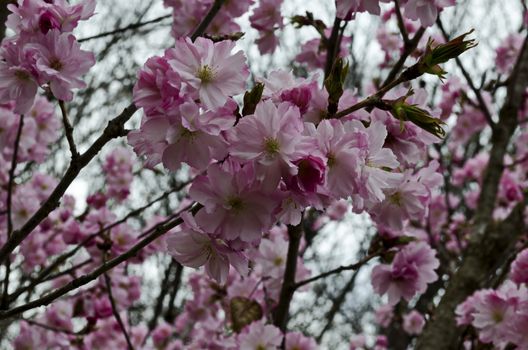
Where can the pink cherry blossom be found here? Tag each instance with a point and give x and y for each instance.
(507, 52)
(425, 10)
(410, 272)
(17, 81)
(157, 90)
(413, 323)
(269, 137)
(210, 68)
(343, 158)
(259, 335)
(60, 62)
(298, 341)
(266, 18)
(235, 206)
(519, 268)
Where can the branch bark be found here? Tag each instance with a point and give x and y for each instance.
(281, 312)
(157, 232)
(490, 241)
(115, 128)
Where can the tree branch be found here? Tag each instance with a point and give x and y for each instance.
(156, 232)
(5, 295)
(207, 19)
(489, 241)
(125, 29)
(336, 305)
(401, 24)
(340, 269)
(68, 131)
(115, 128)
(114, 309)
(281, 312)
(332, 47)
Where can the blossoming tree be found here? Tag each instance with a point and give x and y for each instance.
(253, 168)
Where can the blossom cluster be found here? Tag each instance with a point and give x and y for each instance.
(267, 167)
(425, 11)
(500, 315)
(43, 52)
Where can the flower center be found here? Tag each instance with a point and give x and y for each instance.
(186, 133)
(331, 160)
(396, 199)
(497, 316)
(271, 146)
(22, 75)
(235, 203)
(56, 64)
(278, 261)
(205, 74)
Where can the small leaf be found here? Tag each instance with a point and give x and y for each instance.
(252, 98)
(243, 312)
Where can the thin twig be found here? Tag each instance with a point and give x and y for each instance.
(61, 259)
(407, 51)
(124, 29)
(108, 283)
(338, 270)
(281, 312)
(48, 327)
(372, 100)
(11, 183)
(156, 232)
(5, 295)
(68, 131)
(207, 19)
(332, 47)
(115, 128)
(401, 23)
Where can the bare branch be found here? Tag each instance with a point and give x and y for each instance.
(5, 300)
(108, 284)
(68, 131)
(115, 128)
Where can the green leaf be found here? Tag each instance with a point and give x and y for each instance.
(252, 98)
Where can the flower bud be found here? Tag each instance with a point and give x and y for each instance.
(435, 55)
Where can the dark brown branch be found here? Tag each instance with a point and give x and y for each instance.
(115, 128)
(125, 29)
(158, 307)
(48, 327)
(156, 232)
(217, 5)
(407, 51)
(170, 315)
(401, 23)
(489, 241)
(68, 131)
(336, 305)
(332, 47)
(5, 294)
(340, 269)
(281, 312)
(115, 311)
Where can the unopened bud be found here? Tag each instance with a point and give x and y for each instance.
(435, 55)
